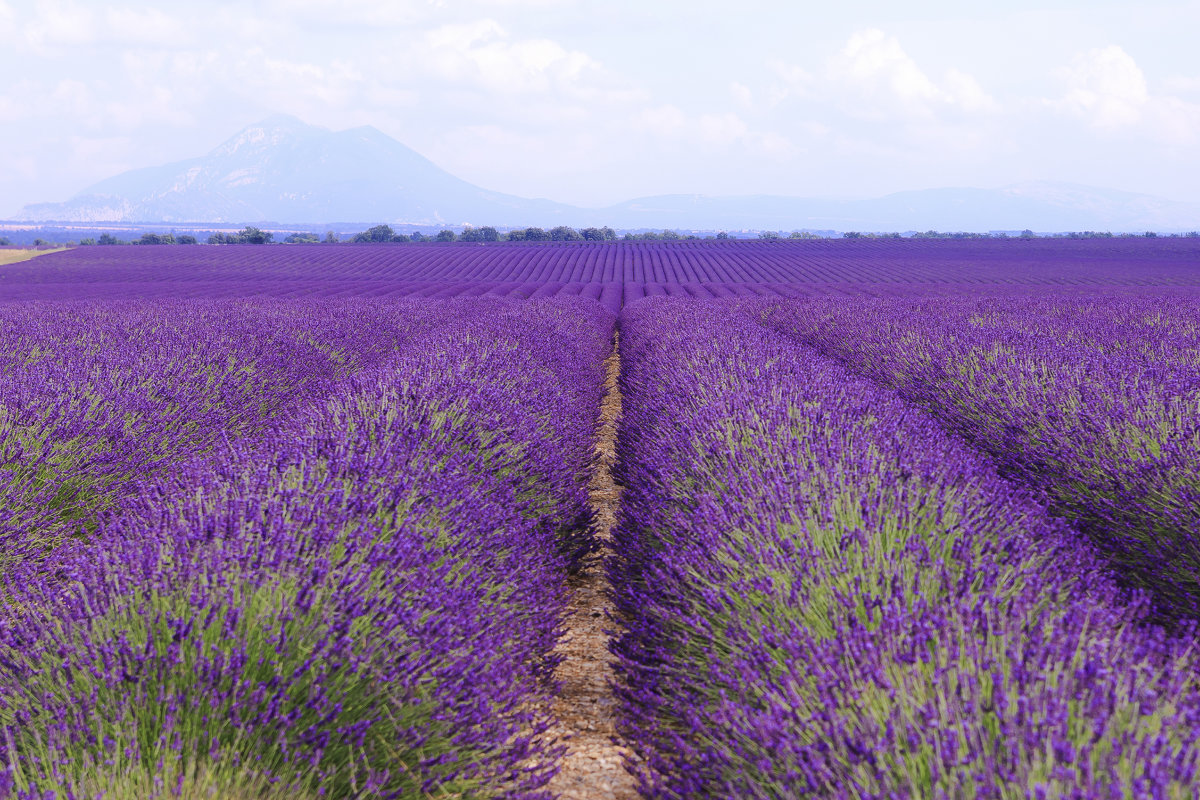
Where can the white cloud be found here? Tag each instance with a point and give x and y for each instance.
(1105, 86)
(966, 92)
(193, 65)
(794, 81)
(462, 36)
(795, 76)
(1182, 84)
(57, 23)
(875, 63)
(281, 70)
(666, 121)
(24, 168)
(742, 94)
(1174, 121)
(8, 17)
(774, 146)
(149, 26)
(721, 130)
(529, 3)
(881, 79)
(710, 132)
(310, 89)
(483, 54)
(1107, 89)
(143, 67)
(356, 13)
(72, 95)
(153, 105)
(112, 149)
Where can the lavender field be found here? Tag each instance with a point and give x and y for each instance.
(892, 519)
(613, 273)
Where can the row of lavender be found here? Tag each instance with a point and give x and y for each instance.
(829, 595)
(364, 269)
(612, 296)
(288, 549)
(1094, 402)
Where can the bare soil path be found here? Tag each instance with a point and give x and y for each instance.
(592, 767)
(12, 255)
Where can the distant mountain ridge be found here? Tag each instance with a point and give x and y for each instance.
(1038, 205)
(285, 171)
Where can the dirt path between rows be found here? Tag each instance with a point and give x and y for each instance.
(592, 768)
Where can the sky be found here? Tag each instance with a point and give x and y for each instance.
(592, 102)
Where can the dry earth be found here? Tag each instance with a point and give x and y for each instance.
(592, 768)
(14, 255)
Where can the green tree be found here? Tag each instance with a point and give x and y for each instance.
(301, 238)
(156, 238)
(251, 235)
(185, 238)
(536, 235)
(379, 233)
(470, 234)
(599, 234)
(331, 237)
(5, 241)
(564, 233)
(445, 235)
(108, 238)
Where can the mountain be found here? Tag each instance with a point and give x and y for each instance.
(1041, 206)
(282, 170)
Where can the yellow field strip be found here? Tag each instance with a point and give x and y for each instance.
(23, 254)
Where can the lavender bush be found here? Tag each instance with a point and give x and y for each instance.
(827, 595)
(357, 596)
(97, 396)
(1092, 400)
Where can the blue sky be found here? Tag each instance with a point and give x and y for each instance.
(595, 102)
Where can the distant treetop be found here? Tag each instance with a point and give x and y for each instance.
(247, 235)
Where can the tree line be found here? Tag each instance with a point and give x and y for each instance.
(380, 234)
(487, 233)
(247, 235)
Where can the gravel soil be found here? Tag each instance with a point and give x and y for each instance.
(593, 766)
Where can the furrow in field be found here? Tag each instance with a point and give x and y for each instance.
(585, 708)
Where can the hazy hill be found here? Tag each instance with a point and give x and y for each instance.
(1041, 206)
(285, 171)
